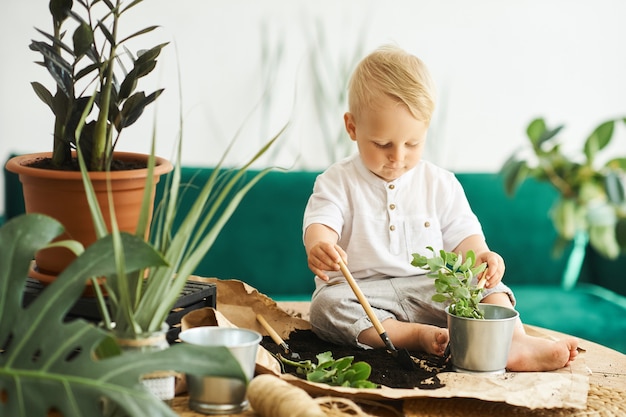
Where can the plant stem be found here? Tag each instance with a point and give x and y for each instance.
(102, 132)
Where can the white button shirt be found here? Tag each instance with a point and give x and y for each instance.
(381, 224)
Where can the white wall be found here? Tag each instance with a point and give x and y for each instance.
(497, 64)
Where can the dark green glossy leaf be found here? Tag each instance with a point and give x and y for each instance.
(59, 9)
(43, 93)
(86, 71)
(107, 34)
(133, 4)
(150, 54)
(83, 39)
(128, 85)
(56, 42)
(138, 33)
(57, 66)
(134, 107)
(145, 68)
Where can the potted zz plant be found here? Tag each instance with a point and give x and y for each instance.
(480, 334)
(95, 79)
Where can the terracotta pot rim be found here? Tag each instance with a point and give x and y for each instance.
(19, 165)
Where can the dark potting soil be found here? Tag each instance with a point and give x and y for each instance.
(116, 165)
(386, 369)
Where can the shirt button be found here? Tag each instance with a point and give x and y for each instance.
(391, 186)
(392, 206)
(392, 227)
(427, 224)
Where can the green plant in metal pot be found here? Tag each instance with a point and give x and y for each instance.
(48, 364)
(93, 71)
(592, 186)
(455, 280)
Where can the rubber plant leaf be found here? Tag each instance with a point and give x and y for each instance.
(49, 364)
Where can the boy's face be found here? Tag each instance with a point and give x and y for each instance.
(390, 140)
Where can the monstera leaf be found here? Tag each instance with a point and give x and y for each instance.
(47, 364)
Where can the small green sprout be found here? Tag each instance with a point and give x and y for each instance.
(341, 372)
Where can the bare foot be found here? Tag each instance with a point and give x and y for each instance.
(536, 354)
(429, 339)
(410, 336)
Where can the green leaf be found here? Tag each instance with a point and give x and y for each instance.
(58, 67)
(440, 298)
(618, 164)
(83, 40)
(602, 238)
(151, 54)
(44, 94)
(454, 283)
(615, 184)
(514, 172)
(48, 363)
(535, 130)
(340, 372)
(549, 134)
(60, 10)
(134, 107)
(565, 218)
(598, 139)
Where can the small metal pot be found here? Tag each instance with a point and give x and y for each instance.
(482, 345)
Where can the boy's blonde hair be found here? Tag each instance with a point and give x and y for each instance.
(393, 72)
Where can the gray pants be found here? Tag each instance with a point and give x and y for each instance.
(337, 316)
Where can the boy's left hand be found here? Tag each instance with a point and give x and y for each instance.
(495, 267)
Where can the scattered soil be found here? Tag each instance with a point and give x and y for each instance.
(116, 165)
(386, 369)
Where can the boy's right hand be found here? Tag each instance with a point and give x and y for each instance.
(325, 256)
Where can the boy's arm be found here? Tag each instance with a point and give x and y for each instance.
(322, 251)
(495, 263)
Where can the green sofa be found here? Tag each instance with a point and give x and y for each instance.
(262, 245)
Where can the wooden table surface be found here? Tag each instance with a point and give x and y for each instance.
(607, 366)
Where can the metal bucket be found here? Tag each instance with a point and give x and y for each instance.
(482, 346)
(219, 395)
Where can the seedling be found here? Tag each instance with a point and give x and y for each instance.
(341, 372)
(454, 280)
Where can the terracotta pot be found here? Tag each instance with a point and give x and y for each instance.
(61, 195)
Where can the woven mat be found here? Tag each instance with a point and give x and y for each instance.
(601, 402)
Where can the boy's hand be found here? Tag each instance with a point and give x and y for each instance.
(325, 256)
(495, 267)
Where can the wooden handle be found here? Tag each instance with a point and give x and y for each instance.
(275, 336)
(362, 300)
(483, 280)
